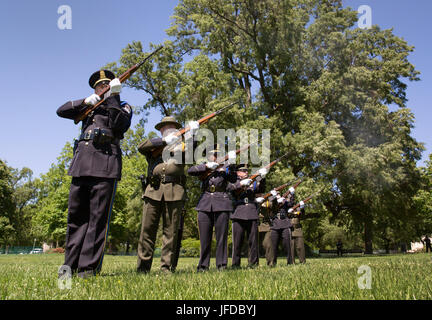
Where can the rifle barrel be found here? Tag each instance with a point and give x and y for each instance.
(122, 79)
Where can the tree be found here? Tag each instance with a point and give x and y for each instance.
(323, 87)
(49, 221)
(423, 203)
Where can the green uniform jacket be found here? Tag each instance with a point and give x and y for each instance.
(297, 232)
(156, 166)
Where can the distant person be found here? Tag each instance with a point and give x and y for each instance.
(339, 247)
(427, 242)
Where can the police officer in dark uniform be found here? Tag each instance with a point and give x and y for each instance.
(95, 168)
(281, 226)
(164, 195)
(214, 208)
(245, 215)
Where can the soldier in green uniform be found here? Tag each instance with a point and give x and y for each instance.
(164, 196)
(297, 239)
(265, 232)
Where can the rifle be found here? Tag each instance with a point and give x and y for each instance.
(304, 201)
(254, 176)
(122, 79)
(294, 186)
(281, 187)
(157, 151)
(221, 162)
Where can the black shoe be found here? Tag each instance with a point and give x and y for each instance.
(202, 269)
(143, 270)
(166, 271)
(86, 274)
(222, 268)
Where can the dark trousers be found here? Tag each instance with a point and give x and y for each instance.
(339, 251)
(268, 247)
(152, 211)
(239, 229)
(206, 222)
(284, 236)
(428, 248)
(297, 246)
(90, 206)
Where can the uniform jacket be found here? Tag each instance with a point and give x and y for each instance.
(280, 219)
(265, 212)
(156, 166)
(220, 179)
(295, 221)
(98, 159)
(246, 208)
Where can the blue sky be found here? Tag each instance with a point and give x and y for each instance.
(42, 66)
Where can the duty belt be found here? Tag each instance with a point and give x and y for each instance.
(158, 179)
(243, 201)
(213, 189)
(280, 216)
(99, 136)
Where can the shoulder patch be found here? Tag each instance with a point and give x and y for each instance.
(126, 107)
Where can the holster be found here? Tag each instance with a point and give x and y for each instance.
(75, 147)
(144, 182)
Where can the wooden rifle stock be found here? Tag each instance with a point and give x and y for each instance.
(221, 162)
(271, 164)
(158, 151)
(281, 187)
(286, 194)
(254, 176)
(305, 200)
(122, 79)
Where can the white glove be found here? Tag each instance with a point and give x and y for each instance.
(232, 156)
(290, 210)
(115, 85)
(274, 193)
(302, 204)
(263, 172)
(92, 100)
(292, 190)
(171, 139)
(245, 182)
(212, 165)
(281, 199)
(179, 147)
(260, 200)
(193, 126)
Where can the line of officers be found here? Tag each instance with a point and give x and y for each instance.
(227, 194)
(96, 168)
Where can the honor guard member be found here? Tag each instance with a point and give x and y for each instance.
(264, 228)
(297, 239)
(245, 215)
(164, 195)
(95, 169)
(281, 226)
(214, 208)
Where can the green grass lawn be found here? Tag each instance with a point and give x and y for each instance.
(392, 277)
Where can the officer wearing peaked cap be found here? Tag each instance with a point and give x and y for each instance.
(245, 215)
(214, 207)
(95, 170)
(280, 229)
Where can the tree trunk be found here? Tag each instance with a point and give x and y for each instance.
(368, 235)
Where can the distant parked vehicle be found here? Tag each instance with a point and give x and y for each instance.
(36, 250)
